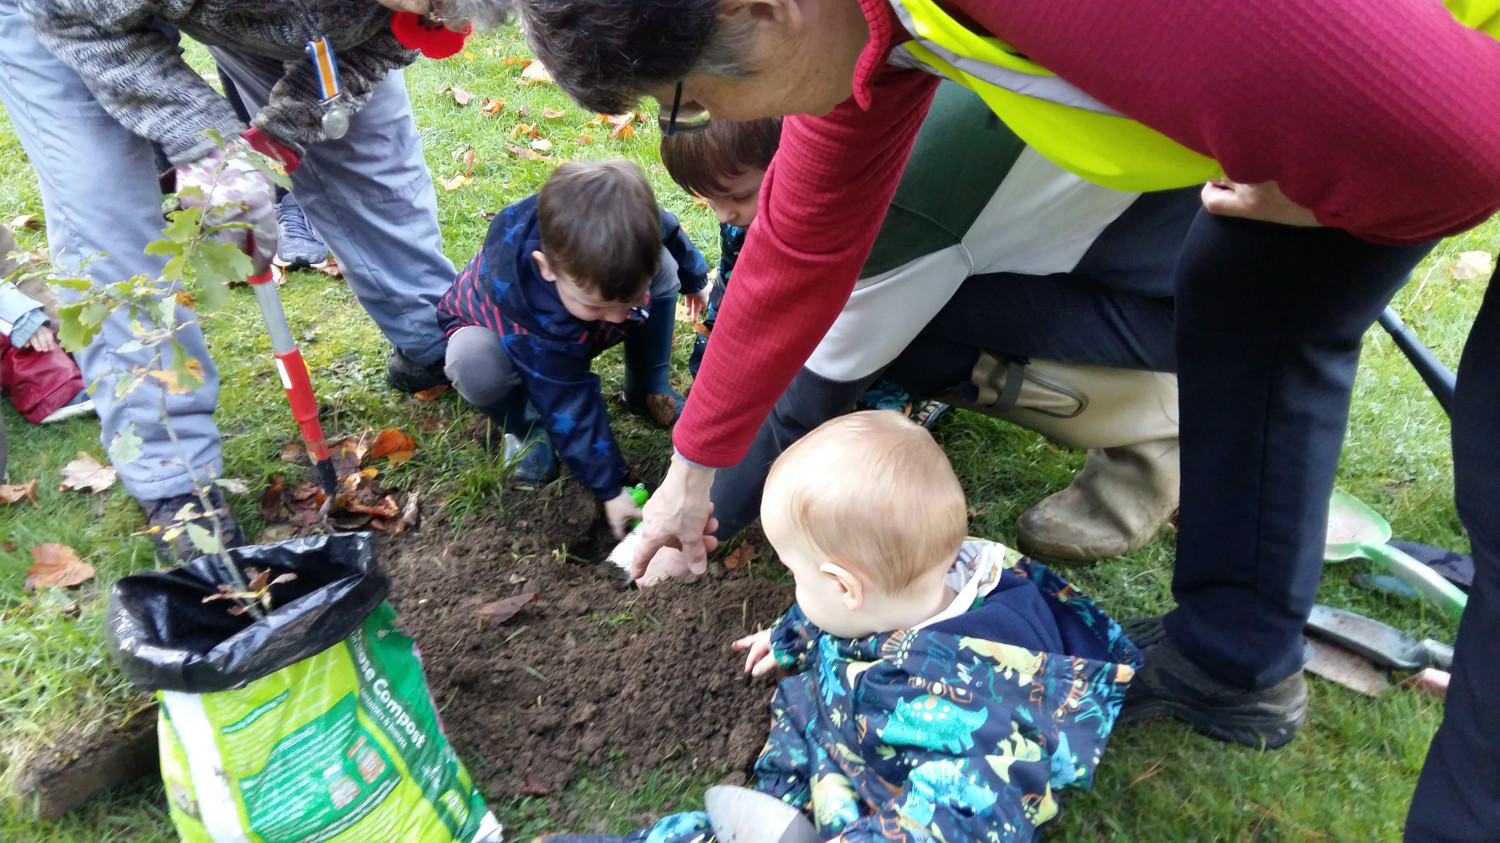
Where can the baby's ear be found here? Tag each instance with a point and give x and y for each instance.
(851, 586)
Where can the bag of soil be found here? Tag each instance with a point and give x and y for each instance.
(310, 723)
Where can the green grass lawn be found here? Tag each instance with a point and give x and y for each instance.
(1348, 776)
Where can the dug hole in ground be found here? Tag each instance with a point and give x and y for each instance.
(588, 677)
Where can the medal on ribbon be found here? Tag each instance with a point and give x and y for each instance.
(326, 68)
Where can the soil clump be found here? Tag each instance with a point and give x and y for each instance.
(588, 674)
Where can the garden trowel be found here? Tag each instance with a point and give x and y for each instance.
(741, 815)
(1383, 645)
(1357, 531)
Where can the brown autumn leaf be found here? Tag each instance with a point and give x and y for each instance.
(584, 140)
(536, 73)
(293, 451)
(305, 518)
(85, 473)
(304, 493)
(504, 609)
(460, 96)
(523, 111)
(432, 393)
(554, 113)
(523, 153)
(28, 222)
(520, 129)
(56, 566)
(1471, 265)
(389, 441)
(386, 507)
(542, 145)
(622, 131)
(332, 268)
(8, 546)
(740, 557)
(468, 160)
(458, 180)
(22, 492)
(271, 507)
(532, 786)
(512, 61)
(411, 512)
(491, 107)
(599, 120)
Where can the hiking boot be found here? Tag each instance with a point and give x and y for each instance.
(166, 514)
(1169, 685)
(404, 374)
(660, 408)
(297, 245)
(532, 459)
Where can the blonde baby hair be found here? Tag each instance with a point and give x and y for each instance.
(873, 491)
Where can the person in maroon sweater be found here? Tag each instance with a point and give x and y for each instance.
(1353, 133)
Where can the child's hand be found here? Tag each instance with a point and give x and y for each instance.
(760, 660)
(697, 304)
(43, 340)
(620, 510)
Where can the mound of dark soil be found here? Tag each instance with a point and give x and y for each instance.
(588, 673)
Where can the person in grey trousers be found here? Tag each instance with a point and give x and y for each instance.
(90, 85)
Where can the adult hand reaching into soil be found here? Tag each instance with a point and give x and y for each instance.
(1264, 202)
(679, 514)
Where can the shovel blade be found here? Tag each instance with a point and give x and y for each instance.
(1351, 523)
(1342, 667)
(741, 815)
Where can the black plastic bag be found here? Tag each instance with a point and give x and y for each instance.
(164, 637)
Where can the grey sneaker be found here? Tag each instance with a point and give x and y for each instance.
(404, 374)
(1168, 685)
(166, 513)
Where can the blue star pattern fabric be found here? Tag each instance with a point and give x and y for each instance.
(937, 733)
(731, 240)
(503, 290)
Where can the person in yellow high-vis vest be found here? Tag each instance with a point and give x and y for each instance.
(1337, 138)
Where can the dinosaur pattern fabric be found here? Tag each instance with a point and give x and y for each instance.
(923, 734)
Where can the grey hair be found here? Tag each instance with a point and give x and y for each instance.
(606, 54)
(484, 14)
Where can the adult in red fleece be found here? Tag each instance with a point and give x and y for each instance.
(1373, 118)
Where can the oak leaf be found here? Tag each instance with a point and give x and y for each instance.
(24, 491)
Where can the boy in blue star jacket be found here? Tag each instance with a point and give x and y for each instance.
(588, 262)
(944, 689)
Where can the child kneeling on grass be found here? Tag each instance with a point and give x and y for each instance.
(588, 262)
(945, 688)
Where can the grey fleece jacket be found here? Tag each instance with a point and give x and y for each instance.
(137, 74)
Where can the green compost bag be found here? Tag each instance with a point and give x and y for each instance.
(312, 723)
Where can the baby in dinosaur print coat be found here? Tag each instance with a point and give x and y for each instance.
(942, 688)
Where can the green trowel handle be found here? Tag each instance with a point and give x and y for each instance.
(1438, 592)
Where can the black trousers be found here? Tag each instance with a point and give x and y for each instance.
(1458, 795)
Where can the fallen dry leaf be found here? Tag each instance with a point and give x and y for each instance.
(599, 120)
(305, 518)
(411, 513)
(23, 492)
(503, 610)
(85, 473)
(28, 222)
(305, 492)
(532, 786)
(271, 507)
(520, 129)
(458, 180)
(8, 546)
(232, 486)
(332, 268)
(276, 533)
(432, 393)
(390, 441)
(584, 140)
(468, 160)
(56, 566)
(542, 145)
(553, 113)
(523, 111)
(491, 107)
(536, 73)
(386, 507)
(460, 96)
(512, 61)
(1472, 265)
(523, 153)
(740, 557)
(293, 451)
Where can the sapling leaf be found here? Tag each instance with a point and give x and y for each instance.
(130, 347)
(72, 333)
(126, 445)
(202, 538)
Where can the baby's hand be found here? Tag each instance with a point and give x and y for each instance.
(697, 304)
(760, 660)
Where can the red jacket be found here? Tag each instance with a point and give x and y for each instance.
(1382, 116)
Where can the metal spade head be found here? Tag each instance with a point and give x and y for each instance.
(741, 815)
(1352, 525)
